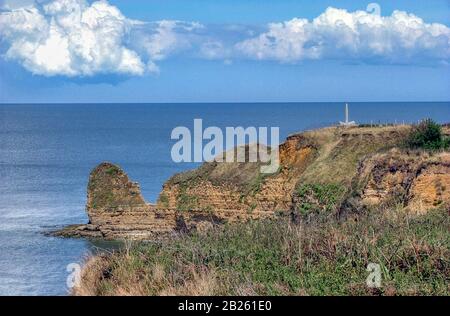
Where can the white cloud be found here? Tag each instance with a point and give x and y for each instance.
(75, 38)
(338, 34)
(70, 38)
(159, 39)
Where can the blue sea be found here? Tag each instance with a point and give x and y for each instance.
(48, 150)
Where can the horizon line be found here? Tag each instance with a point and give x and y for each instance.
(213, 102)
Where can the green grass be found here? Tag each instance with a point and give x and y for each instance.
(341, 150)
(319, 198)
(112, 171)
(164, 200)
(277, 257)
(185, 201)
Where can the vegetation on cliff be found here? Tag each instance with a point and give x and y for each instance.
(343, 198)
(327, 157)
(109, 187)
(278, 257)
(428, 135)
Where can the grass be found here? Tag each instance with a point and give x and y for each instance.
(164, 200)
(319, 198)
(277, 257)
(340, 151)
(186, 202)
(112, 171)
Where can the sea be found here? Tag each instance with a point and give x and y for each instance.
(48, 150)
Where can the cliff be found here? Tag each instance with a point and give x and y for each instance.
(117, 210)
(417, 181)
(335, 170)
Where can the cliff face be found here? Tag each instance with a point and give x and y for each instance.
(417, 181)
(327, 157)
(240, 186)
(116, 210)
(331, 169)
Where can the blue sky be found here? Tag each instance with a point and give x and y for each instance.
(223, 51)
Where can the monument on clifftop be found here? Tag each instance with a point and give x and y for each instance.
(347, 123)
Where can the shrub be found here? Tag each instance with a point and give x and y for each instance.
(428, 135)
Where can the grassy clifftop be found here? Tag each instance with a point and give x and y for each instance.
(326, 156)
(396, 202)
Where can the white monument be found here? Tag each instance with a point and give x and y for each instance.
(347, 123)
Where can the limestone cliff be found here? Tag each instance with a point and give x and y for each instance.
(241, 186)
(416, 180)
(331, 169)
(116, 210)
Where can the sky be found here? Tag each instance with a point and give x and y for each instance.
(77, 51)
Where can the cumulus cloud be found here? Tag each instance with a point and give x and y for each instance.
(359, 35)
(77, 38)
(71, 38)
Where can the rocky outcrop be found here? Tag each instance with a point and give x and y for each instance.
(418, 181)
(329, 170)
(116, 210)
(109, 189)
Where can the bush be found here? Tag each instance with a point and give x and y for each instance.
(428, 135)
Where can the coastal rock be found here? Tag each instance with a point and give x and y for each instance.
(110, 190)
(117, 210)
(356, 167)
(82, 230)
(417, 180)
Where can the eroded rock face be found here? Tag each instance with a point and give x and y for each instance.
(325, 156)
(117, 210)
(431, 187)
(241, 186)
(419, 181)
(109, 190)
(358, 164)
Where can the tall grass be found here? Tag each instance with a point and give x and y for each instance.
(277, 257)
